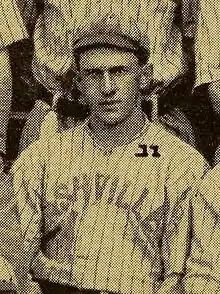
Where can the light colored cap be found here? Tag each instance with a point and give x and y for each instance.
(111, 29)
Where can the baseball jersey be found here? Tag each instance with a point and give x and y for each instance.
(111, 220)
(203, 265)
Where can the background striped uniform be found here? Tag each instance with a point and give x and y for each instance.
(12, 28)
(200, 20)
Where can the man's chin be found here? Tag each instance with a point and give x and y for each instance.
(112, 121)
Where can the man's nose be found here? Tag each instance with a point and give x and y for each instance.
(108, 84)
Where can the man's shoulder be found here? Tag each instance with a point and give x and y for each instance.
(210, 189)
(72, 133)
(37, 155)
(212, 180)
(181, 159)
(185, 166)
(171, 145)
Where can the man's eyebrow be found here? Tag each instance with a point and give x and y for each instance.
(117, 67)
(92, 69)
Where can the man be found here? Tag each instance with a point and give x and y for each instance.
(12, 272)
(207, 71)
(207, 40)
(203, 264)
(105, 208)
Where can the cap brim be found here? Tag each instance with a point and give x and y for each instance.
(104, 39)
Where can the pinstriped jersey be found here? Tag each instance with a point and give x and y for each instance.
(12, 268)
(112, 220)
(12, 28)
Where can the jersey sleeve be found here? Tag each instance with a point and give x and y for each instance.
(12, 28)
(185, 173)
(52, 47)
(166, 45)
(13, 275)
(27, 175)
(203, 265)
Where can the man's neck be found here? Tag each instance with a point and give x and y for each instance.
(111, 136)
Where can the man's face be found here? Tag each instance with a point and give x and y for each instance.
(109, 83)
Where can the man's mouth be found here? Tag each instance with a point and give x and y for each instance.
(108, 103)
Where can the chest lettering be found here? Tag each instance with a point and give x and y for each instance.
(66, 196)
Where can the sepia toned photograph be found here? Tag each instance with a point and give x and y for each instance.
(109, 147)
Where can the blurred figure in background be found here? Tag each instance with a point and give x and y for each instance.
(207, 67)
(12, 30)
(13, 275)
(43, 119)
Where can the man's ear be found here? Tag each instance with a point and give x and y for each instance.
(78, 81)
(146, 77)
(79, 86)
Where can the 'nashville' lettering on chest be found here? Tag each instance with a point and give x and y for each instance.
(101, 183)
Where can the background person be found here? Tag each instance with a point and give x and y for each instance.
(12, 30)
(206, 50)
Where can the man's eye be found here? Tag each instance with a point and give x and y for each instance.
(93, 73)
(119, 70)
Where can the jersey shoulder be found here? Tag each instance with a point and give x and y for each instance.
(211, 182)
(210, 189)
(170, 144)
(181, 159)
